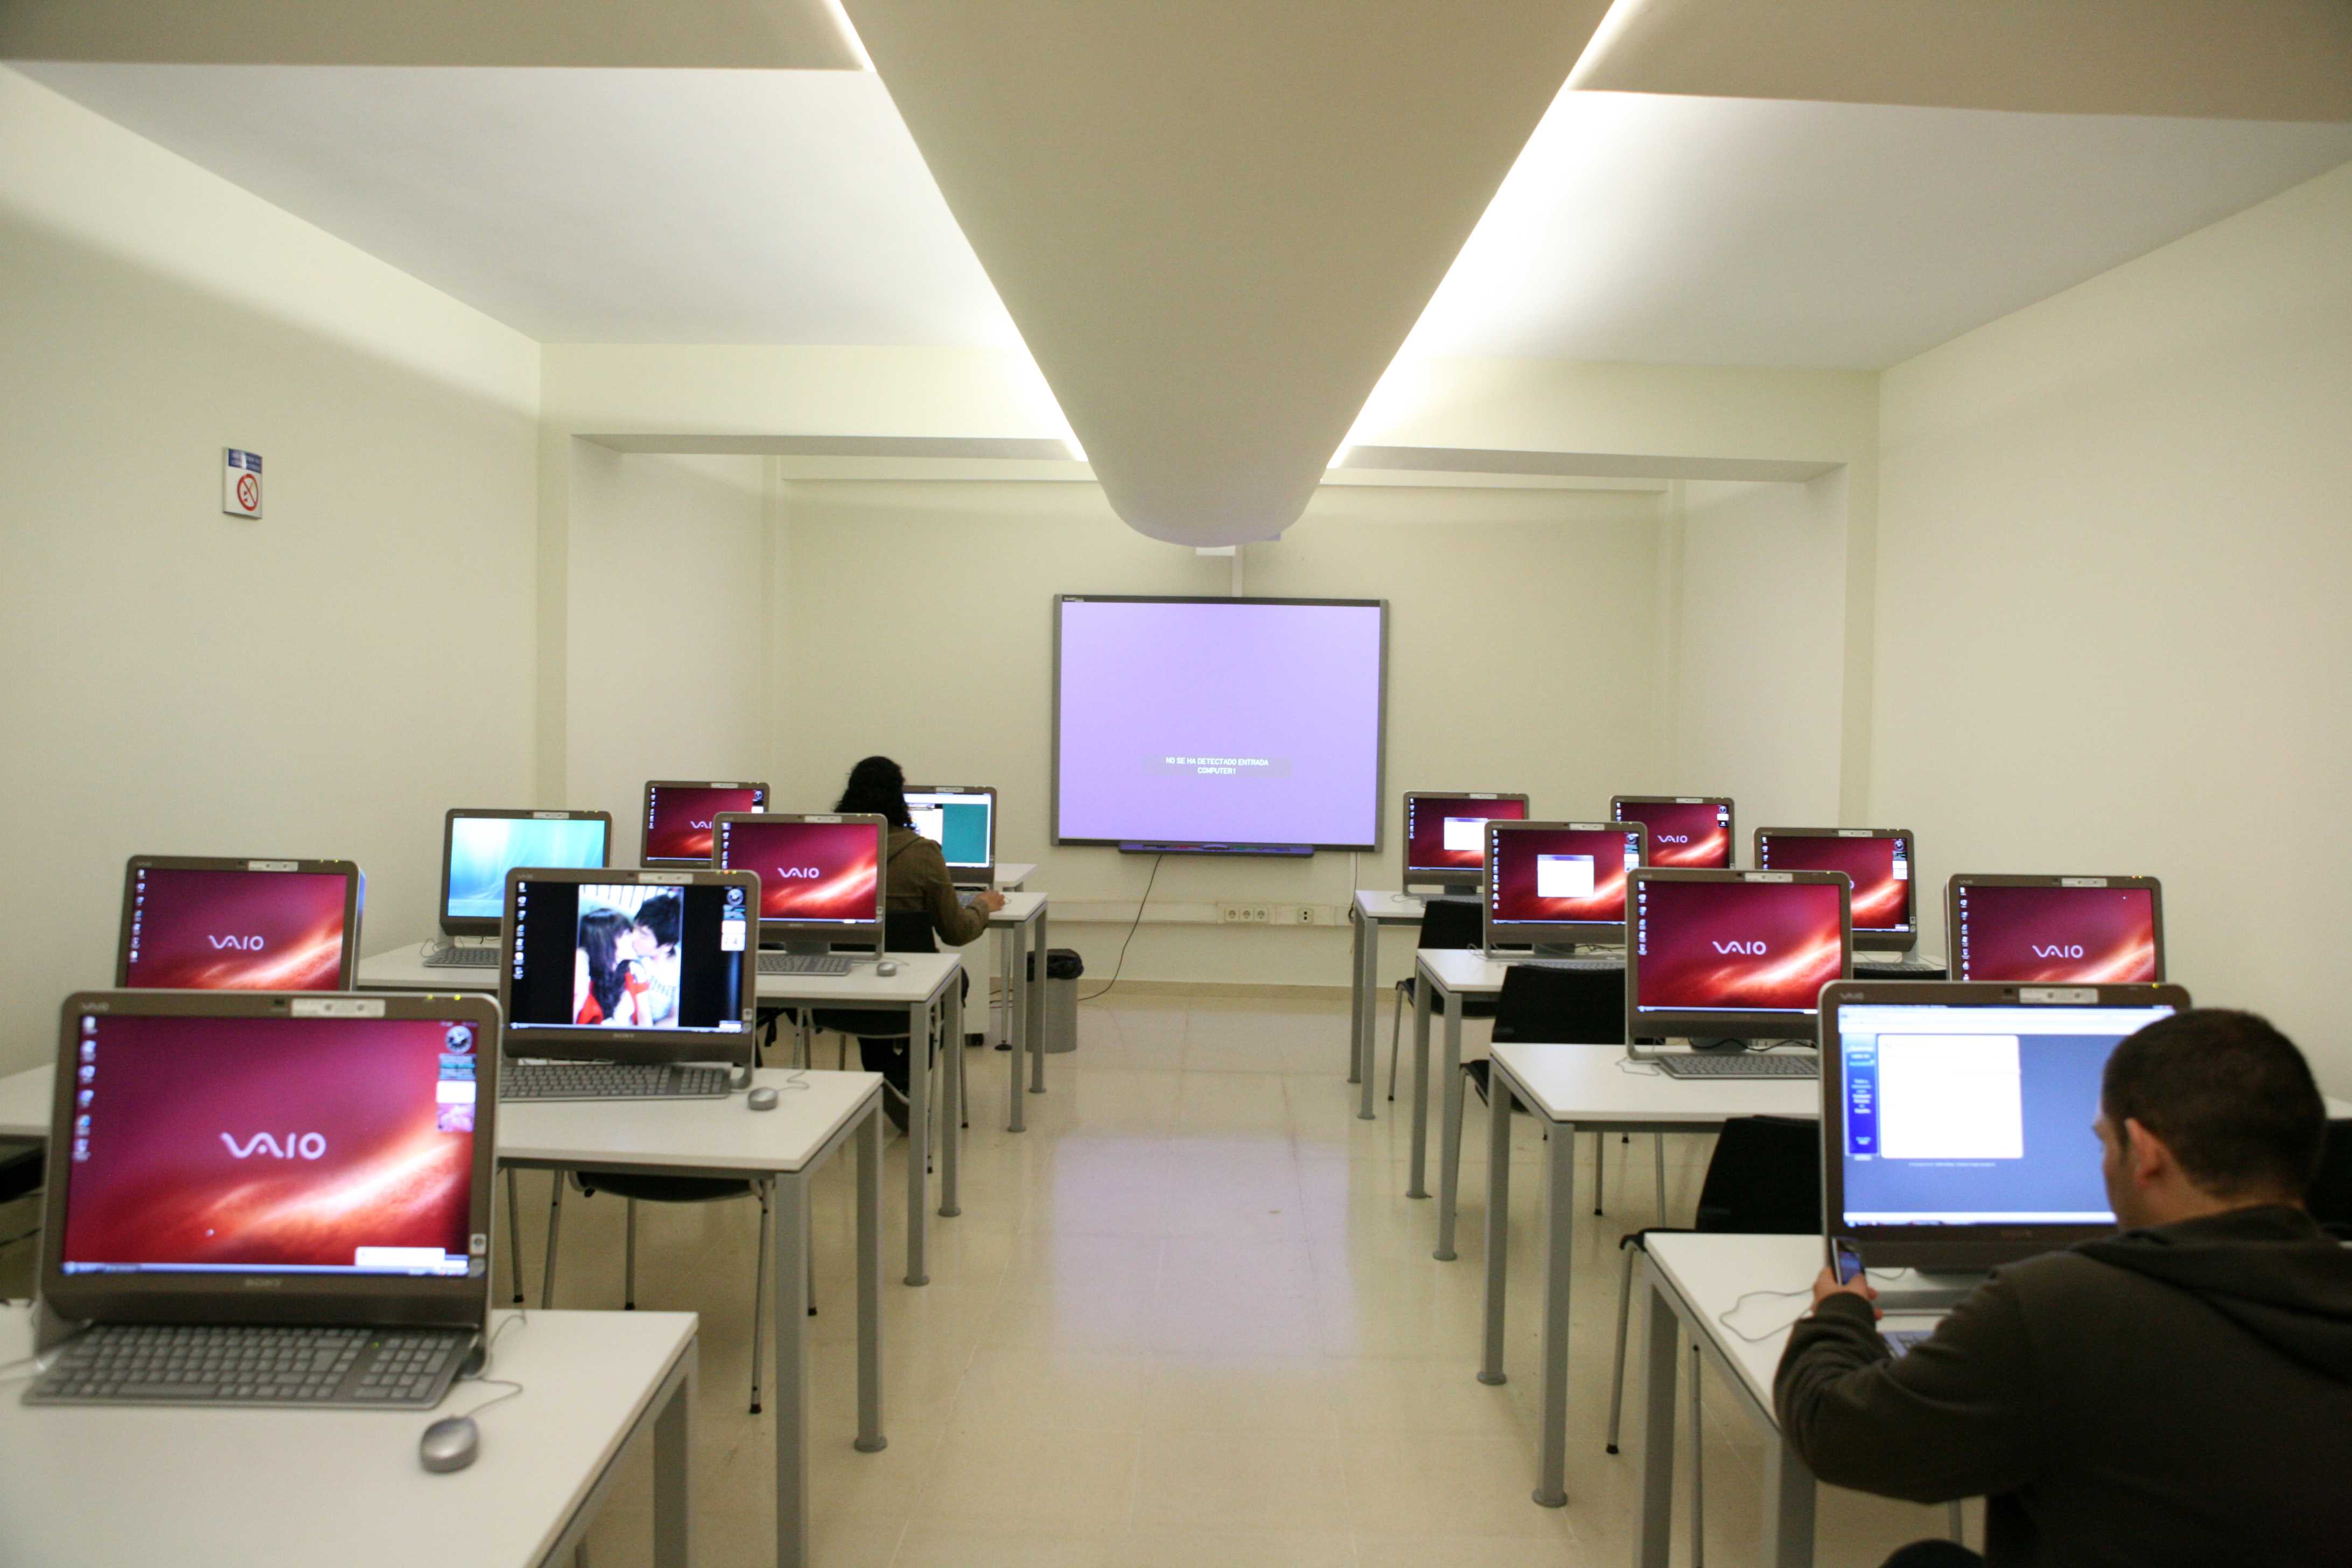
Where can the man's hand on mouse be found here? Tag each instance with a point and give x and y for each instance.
(988, 899)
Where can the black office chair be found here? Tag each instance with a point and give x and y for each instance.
(2331, 1190)
(1578, 1005)
(1764, 1179)
(634, 1187)
(1446, 924)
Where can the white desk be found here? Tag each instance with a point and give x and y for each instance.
(1694, 1280)
(1574, 1086)
(787, 1145)
(1024, 995)
(1372, 909)
(1444, 977)
(402, 969)
(251, 1488)
(924, 981)
(1012, 875)
(25, 1104)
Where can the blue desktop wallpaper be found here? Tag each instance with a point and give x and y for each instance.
(487, 847)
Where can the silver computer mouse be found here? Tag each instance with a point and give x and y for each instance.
(450, 1444)
(761, 1100)
(887, 968)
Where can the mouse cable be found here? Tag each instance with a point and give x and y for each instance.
(513, 1391)
(1725, 1316)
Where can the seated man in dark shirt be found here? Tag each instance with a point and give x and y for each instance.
(2178, 1393)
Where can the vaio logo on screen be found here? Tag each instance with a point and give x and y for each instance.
(1744, 946)
(297, 1144)
(1683, 835)
(235, 931)
(1549, 874)
(678, 819)
(816, 872)
(2057, 936)
(1876, 867)
(1448, 833)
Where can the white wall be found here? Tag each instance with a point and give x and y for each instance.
(1521, 657)
(665, 627)
(1760, 635)
(186, 682)
(2115, 540)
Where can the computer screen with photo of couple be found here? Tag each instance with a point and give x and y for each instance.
(627, 956)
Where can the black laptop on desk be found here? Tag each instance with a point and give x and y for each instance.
(266, 1198)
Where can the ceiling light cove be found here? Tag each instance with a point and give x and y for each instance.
(1214, 221)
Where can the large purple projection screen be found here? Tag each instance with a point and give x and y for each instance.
(1218, 721)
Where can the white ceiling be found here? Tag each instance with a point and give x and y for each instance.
(697, 207)
(1214, 221)
(1770, 232)
(738, 35)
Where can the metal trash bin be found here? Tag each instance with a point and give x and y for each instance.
(1062, 968)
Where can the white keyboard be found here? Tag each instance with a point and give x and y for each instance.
(463, 958)
(1746, 1063)
(802, 963)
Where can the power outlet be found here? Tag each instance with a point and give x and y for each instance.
(1242, 914)
(1302, 914)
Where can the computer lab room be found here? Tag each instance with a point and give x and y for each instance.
(846, 783)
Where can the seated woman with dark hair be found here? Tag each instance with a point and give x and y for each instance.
(914, 877)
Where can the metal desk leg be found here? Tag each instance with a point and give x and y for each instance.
(1560, 1222)
(950, 1098)
(1499, 1221)
(1358, 993)
(791, 1221)
(674, 1474)
(919, 1137)
(1661, 1363)
(1014, 971)
(514, 1236)
(1788, 1508)
(870, 1439)
(1417, 1187)
(1449, 1154)
(1035, 997)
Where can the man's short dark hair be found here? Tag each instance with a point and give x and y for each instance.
(662, 915)
(2228, 1094)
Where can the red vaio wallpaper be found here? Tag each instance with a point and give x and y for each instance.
(678, 827)
(237, 931)
(2056, 936)
(269, 1142)
(1568, 860)
(1426, 847)
(809, 870)
(1682, 837)
(1881, 899)
(1747, 945)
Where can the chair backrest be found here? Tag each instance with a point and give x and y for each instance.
(1765, 1178)
(2331, 1192)
(907, 930)
(1452, 924)
(1561, 1006)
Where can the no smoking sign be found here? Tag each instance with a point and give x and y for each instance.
(240, 482)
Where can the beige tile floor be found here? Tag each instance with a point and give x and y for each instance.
(1188, 1318)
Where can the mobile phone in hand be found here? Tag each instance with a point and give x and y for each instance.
(1845, 1260)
